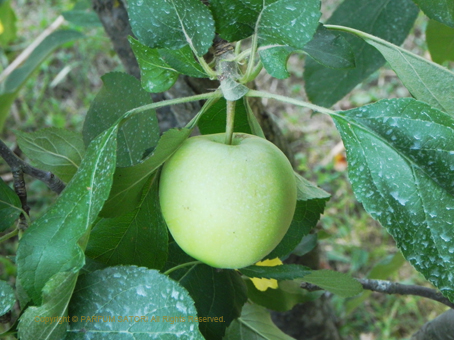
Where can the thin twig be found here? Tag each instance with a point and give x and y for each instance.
(17, 164)
(389, 287)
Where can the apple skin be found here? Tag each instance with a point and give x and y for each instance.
(228, 205)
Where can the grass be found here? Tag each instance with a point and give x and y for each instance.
(352, 241)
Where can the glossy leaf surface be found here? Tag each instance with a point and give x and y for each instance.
(160, 306)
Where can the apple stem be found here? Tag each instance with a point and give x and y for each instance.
(230, 121)
(187, 264)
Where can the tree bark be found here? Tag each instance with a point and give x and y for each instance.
(309, 321)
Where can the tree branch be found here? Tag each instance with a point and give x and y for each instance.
(18, 166)
(388, 287)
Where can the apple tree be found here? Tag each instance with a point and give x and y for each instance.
(101, 263)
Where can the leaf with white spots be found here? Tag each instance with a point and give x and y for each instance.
(401, 161)
(132, 303)
(277, 22)
(54, 243)
(288, 22)
(56, 150)
(172, 24)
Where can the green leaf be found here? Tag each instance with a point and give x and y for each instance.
(235, 20)
(51, 244)
(284, 298)
(19, 76)
(440, 41)
(136, 238)
(425, 80)
(307, 243)
(172, 24)
(10, 206)
(274, 59)
(330, 49)
(129, 181)
(440, 10)
(82, 14)
(183, 61)
(8, 23)
(282, 272)
(122, 92)
(325, 86)
(310, 204)
(335, 282)
(401, 157)
(56, 150)
(162, 309)
(214, 120)
(50, 320)
(288, 22)
(156, 75)
(217, 293)
(8, 299)
(254, 323)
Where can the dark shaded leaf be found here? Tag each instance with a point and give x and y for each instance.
(10, 206)
(390, 20)
(120, 93)
(214, 120)
(217, 293)
(440, 41)
(282, 272)
(255, 323)
(284, 298)
(310, 204)
(136, 238)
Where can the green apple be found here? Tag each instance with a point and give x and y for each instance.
(228, 205)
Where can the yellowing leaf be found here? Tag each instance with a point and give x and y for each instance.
(264, 284)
